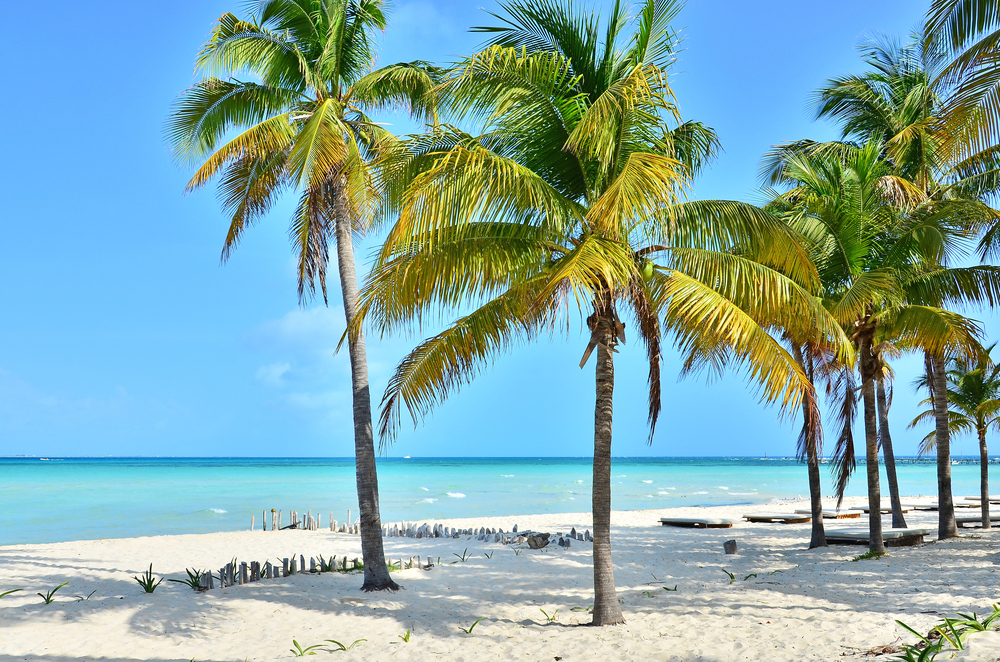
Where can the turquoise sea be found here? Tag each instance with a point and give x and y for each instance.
(59, 499)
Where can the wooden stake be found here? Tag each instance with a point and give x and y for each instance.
(252, 518)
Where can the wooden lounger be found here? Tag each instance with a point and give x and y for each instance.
(697, 522)
(974, 520)
(835, 514)
(934, 506)
(891, 537)
(785, 518)
(885, 510)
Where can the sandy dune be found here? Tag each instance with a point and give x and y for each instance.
(787, 603)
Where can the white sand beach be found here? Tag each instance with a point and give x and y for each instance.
(787, 603)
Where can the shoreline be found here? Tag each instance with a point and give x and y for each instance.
(793, 604)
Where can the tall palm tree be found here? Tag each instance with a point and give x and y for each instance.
(282, 107)
(884, 350)
(569, 197)
(911, 102)
(873, 248)
(973, 394)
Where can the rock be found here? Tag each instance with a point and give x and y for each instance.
(730, 547)
(538, 540)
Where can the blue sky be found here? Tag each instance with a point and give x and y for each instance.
(122, 334)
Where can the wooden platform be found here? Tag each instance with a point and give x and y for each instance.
(891, 537)
(784, 518)
(697, 522)
(884, 510)
(835, 514)
(974, 520)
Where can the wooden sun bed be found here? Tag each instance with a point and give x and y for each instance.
(784, 518)
(934, 505)
(974, 520)
(891, 537)
(697, 522)
(884, 509)
(835, 514)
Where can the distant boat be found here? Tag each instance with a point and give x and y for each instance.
(44, 459)
(406, 457)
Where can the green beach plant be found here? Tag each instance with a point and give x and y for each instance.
(6, 593)
(342, 647)
(463, 557)
(488, 555)
(732, 577)
(405, 637)
(870, 555)
(588, 608)
(299, 651)
(50, 596)
(81, 598)
(750, 576)
(549, 618)
(472, 627)
(147, 581)
(193, 578)
(667, 588)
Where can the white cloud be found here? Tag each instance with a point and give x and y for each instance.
(272, 374)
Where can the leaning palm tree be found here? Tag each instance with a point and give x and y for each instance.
(283, 108)
(912, 101)
(568, 200)
(973, 394)
(878, 246)
(883, 386)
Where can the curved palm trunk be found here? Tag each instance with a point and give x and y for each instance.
(808, 437)
(885, 439)
(867, 362)
(946, 504)
(376, 573)
(984, 478)
(607, 609)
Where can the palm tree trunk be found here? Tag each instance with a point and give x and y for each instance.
(984, 478)
(867, 362)
(376, 573)
(607, 609)
(808, 437)
(946, 504)
(898, 522)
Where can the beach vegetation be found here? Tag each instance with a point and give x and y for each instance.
(283, 106)
(50, 595)
(472, 627)
(750, 576)
(488, 555)
(83, 598)
(193, 578)
(668, 589)
(405, 637)
(6, 593)
(299, 651)
(342, 647)
(732, 577)
(549, 618)
(570, 202)
(588, 608)
(517, 552)
(147, 581)
(463, 557)
(870, 555)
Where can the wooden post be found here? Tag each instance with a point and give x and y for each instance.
(348, 520)
(312, 564)
(252, 518)
(243, 572)
(333, 522)
(279, 519)
(284, 568)
(302, 563)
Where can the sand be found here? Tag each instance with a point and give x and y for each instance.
(787, 603)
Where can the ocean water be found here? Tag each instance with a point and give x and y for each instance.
(60, 499)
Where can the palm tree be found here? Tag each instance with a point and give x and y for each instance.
(973, 395)
(569, 197)
(884, 350)
(873, 261)
(911, 102)
(295, 79)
